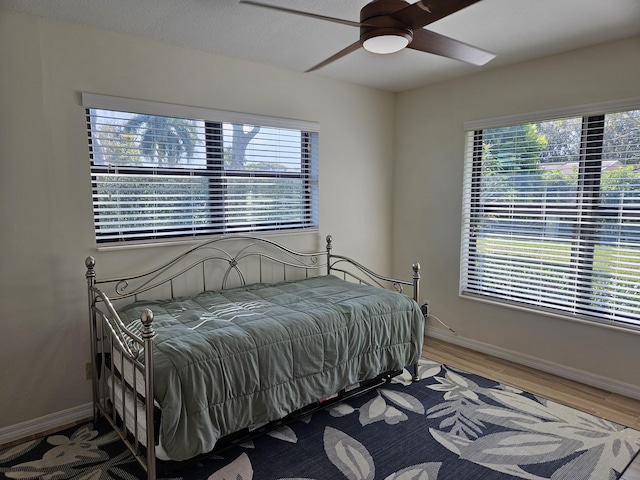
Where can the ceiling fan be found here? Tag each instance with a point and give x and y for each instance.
(388, 26)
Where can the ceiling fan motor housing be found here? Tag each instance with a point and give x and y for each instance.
(376, 21)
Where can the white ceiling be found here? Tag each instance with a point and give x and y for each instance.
(515, 30)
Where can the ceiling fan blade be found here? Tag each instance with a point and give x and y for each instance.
(431, 42)
(298, 12)
(425, 12)
(345, 51)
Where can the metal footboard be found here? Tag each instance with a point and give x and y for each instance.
(116, 350)
(354, 271)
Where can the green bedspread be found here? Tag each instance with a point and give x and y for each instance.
(238, 358)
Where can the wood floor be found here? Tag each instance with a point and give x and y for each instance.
(611, 406)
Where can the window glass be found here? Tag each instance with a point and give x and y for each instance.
(551, 217)
(159, 176)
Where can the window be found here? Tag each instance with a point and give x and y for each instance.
(165, 171)
(551, 215)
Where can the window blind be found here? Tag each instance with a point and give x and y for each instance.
(551, 216)
(156, 176)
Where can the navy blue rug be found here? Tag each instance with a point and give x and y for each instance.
(451, 425)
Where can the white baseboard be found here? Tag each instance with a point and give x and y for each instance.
(49, 422)
(604, 383)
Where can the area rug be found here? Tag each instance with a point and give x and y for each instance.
(451, 425)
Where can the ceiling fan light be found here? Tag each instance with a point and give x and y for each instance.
(384, 44)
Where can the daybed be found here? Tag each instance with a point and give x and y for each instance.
(271, 333)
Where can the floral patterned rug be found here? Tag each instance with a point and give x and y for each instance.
(451, 425)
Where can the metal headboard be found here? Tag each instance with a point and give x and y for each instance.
(230, 251)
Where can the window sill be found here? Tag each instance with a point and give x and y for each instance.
(608, 324)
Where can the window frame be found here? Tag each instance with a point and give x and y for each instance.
(215, 170)
(589, 183)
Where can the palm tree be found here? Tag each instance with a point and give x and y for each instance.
(163, 140)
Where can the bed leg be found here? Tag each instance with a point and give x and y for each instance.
(415, 372)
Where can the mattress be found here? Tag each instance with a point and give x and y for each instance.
(238, 358)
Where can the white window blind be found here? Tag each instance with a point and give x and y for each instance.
(551, 216)
(194, 171)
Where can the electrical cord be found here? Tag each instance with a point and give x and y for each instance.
(443, 324)
(427, 314)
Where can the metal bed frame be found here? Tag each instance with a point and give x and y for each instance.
(115, 348)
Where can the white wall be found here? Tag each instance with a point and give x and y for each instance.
(46, 222)
(428, 204)
(45, 208)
